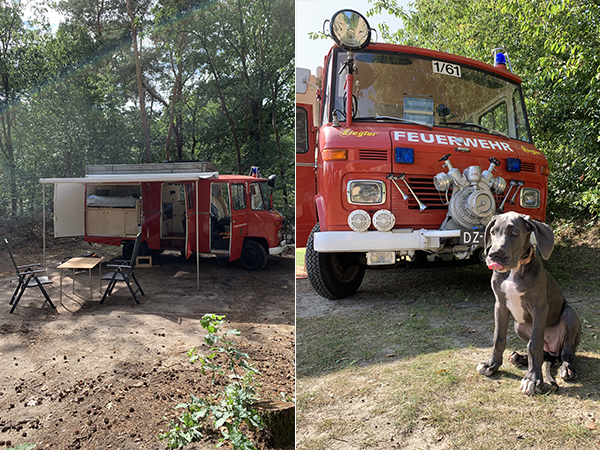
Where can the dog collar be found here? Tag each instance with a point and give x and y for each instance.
(527, 260)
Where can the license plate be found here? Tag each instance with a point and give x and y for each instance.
(473, 237)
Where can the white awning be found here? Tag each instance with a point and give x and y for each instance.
(133, 178)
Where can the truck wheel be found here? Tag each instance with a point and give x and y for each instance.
(127, 250)
(332, 275)
(254, 256)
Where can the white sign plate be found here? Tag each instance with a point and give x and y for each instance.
(446, 68)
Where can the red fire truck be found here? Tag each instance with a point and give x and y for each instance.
(186, 206)
(416, 150)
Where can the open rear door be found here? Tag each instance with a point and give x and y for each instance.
(192, 217)
(69, 209)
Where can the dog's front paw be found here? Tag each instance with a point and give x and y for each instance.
(567, 371)
(532, 384)
(488, 368)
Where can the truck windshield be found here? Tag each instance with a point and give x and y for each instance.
(405, 88)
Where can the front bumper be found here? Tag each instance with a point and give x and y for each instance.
(279, 249)
(400, 240)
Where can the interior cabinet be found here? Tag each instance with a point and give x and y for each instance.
(113, 221)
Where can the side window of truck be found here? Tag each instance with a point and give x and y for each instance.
(256, 198)
(301, 130)
(238, 196)
(496, 118)
(521, 123)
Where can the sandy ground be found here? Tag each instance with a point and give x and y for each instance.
(109, 376)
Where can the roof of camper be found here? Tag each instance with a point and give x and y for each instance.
(137, 173)
(133, 178)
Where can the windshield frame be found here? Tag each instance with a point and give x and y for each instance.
(331, 80)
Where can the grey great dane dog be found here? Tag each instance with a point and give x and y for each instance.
(525, 289)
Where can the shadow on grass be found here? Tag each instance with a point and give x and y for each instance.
(585, 386)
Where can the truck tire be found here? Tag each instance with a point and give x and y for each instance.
(332, 275)
(254, 256)
(127, 250)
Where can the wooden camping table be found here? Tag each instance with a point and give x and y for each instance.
(81, 263)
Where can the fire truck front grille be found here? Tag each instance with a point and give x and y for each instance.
(425, 190)
(527, 167)
(373, 155)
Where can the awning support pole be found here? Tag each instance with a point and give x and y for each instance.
(44, 222)
(197, 240)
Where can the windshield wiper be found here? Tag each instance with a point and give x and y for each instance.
(396, 119)
(476, 125)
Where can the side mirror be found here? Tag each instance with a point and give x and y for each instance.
(302, 80)
(271, 180)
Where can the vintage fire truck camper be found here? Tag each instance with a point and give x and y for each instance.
(416, 150)
(186, 207)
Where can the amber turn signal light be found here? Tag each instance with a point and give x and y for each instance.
(335, 155)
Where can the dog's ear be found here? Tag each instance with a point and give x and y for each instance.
(543, 235)
(487, 237)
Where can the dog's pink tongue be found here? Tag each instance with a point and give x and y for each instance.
(495, 266)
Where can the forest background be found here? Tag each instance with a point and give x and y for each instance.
(554, 46)
(134, 81)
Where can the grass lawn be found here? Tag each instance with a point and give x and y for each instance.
(394, 365)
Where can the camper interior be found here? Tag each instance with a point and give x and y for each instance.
(113, 210)
(173, 211)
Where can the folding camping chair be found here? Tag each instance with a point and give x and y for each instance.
(27, 278)
(123, 272)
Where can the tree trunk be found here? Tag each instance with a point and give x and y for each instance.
(279, 420)
(225, 110)
(278, 141)
(141, 93)
(8, 150)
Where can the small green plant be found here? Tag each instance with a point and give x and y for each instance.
(231, 408)
(23, 447)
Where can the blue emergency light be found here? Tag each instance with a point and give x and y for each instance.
(405, 155)
(500, 59)
(513, 164)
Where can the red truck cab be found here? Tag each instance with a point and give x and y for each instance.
(416, 150)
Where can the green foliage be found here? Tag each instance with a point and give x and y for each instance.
(218, 75)
(23, 447)
(554, 47)
(231, 408)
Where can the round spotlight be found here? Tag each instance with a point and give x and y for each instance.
(384, 220)
(359, 220)
(350, 30)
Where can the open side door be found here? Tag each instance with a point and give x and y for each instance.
(306, 189)
(239, 218)
(69, 209)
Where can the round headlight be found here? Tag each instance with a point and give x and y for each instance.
(384, 220)
(359, 220)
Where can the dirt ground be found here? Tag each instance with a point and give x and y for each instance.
(92, 376)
